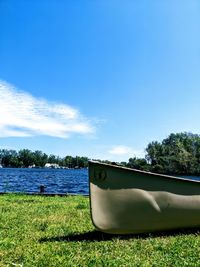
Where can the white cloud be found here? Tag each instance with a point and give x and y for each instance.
(121, 150)
(22, 115)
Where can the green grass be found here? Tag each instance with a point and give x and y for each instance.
(55, 231)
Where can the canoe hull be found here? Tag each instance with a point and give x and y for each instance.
(129, 201)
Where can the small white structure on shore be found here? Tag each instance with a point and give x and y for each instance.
(32, 166)
(52, 165)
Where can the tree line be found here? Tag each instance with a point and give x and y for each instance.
(177, 154)
(26, 158)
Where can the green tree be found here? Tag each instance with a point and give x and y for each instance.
(40, 158)
(177, 154)
(26, 156)
(138, 163)
(7, 156)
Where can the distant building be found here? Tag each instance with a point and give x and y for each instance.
(32, 166)
(52, 165)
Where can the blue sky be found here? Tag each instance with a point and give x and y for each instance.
(97, 78)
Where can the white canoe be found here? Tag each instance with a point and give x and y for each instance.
(124, 200)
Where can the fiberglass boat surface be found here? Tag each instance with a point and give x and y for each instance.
(125, 200)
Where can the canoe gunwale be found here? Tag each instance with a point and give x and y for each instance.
(144, 172)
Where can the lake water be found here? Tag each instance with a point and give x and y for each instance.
(73, 181)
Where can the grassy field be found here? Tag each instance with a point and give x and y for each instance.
(55, 231)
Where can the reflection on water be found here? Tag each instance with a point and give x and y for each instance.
(74, 181)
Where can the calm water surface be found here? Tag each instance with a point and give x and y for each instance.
(74, 181)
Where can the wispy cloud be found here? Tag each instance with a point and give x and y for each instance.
(22, 114)
(121, 150)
